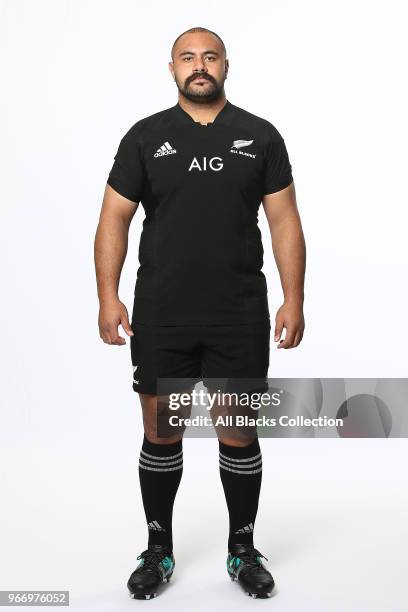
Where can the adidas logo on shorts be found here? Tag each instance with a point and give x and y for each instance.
(165, 149)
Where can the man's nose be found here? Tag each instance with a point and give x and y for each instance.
(199, 65)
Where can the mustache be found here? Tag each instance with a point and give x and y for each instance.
(200, 76)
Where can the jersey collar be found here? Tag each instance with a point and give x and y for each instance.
(224, 116)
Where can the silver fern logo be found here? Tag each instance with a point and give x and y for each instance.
(238, 144)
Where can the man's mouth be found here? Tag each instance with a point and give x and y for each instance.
(200, 80)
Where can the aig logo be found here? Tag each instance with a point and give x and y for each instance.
(215, 163)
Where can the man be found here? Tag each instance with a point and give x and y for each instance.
(200, 169)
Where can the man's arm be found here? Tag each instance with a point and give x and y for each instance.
(289, 249)
(111, 241)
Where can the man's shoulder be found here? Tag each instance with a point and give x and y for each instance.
(146, 124)
(262, 126)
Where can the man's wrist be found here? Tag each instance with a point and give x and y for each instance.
(295, 299)
(107, 298)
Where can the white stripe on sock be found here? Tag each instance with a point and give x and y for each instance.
(144, 467)
(241, 460)
(241, 472)
(241, 467)
(159, 463)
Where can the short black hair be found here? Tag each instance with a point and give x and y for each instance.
(199, 29)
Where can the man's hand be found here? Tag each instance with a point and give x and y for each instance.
(290, 316)
(113, 313)
(289, 249)
(110, 251)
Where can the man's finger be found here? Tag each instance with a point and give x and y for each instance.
(116, 339)
(111, 336)
(278, 330)
(288, 341)
(104, 334)
(109, 339)
(126, 325)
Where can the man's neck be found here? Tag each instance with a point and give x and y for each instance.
(202, 112)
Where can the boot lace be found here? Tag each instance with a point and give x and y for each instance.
(250, 558)
(151, 559)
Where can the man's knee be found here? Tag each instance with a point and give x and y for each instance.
(152, 428)
(235, 441)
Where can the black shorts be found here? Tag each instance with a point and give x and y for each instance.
(168, 359)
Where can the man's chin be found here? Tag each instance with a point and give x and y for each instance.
(202, 96)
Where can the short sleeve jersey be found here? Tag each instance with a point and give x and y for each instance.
(200, 186)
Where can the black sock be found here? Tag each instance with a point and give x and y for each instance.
(241, 477)
(160, 470)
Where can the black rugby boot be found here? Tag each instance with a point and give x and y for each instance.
(155, 568)
(244, 565)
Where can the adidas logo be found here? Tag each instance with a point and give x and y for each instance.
(154, 526)
(165, 149)
(247, 529)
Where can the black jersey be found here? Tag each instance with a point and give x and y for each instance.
(200, 186)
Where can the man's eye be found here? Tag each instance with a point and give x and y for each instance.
(209, 57)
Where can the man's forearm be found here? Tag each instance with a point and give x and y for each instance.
(111, 242)
(289, 250)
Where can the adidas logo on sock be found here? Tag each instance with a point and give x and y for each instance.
(247, 529)
(165, 149)
(154, 526)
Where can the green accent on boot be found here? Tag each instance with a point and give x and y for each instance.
(167, 563)
(233, 564)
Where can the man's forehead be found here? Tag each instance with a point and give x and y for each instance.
(198, 43)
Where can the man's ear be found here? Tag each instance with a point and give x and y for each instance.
(226, 68)
(171, 69)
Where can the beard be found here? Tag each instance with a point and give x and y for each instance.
(205, 93)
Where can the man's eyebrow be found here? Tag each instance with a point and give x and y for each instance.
(192, 53)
